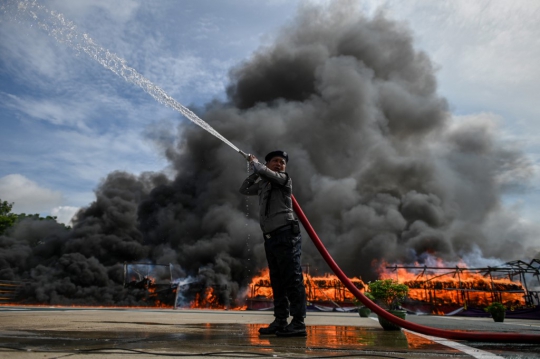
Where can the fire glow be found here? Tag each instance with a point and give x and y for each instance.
(443, 287)
(437, 290)
(429, 291)
(326, 289)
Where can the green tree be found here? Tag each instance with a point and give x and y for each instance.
(7, 219)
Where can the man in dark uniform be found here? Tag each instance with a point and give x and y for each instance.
(282, 242)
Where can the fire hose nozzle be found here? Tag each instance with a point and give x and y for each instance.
(246, 155)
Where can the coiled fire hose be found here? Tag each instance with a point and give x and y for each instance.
(442, 333)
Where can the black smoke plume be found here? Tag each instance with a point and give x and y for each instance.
(378, 164)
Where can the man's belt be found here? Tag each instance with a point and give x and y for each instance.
(276, 231)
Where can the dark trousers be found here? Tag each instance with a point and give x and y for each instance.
(283, 252)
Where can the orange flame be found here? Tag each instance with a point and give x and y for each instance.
(437, 289)
(207, 300)
(326, 288)
(458, 286)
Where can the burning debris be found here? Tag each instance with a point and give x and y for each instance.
(322, 292)
(441, 290)
(167, 287)
(157, 279)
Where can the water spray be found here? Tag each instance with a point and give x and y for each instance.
(65, 32)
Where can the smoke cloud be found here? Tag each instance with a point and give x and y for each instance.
(378, 164)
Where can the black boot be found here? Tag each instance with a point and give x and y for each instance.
(277, 324)
(297, 328)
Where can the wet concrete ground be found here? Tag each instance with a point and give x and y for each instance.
(120, 333)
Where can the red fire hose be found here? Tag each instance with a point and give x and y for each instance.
(448, 334)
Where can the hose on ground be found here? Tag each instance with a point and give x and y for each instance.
(442, 333)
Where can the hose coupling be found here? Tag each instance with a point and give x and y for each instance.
(245, 155)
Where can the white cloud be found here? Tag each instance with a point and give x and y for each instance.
(64, 214)
(91, 156)
(498, 37)
(72, 160)
(55, 112)
(487, 51)
(28, 196)
(28, 54)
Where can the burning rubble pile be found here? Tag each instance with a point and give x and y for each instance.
(166, 287)
(429, 291)
(324, 292)
(378, 163)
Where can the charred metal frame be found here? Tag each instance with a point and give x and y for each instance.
(145, 276)
(162, 287)
(511, 269)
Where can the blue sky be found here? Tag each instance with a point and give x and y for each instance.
(67, 121)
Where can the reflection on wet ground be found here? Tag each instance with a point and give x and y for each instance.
(89, 333)
(240, 340)
(233, 340)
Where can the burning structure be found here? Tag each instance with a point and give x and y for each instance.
(442, 290)
(157, 279)
(432, 289)
(435, 290)
(324, 292)
(166, 287)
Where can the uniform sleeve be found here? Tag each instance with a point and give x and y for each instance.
(280, 178)
(249, 186)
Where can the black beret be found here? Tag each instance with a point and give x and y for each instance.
(276, 154)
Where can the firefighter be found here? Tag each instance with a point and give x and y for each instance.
(282, 242)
